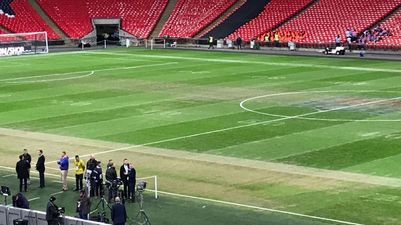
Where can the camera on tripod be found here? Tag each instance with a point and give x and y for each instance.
(141, 186)
(61, 210)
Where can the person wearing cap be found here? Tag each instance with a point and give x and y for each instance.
(79, 172)
(52, 212)
(118, 213)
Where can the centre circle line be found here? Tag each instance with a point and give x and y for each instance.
(303, 116)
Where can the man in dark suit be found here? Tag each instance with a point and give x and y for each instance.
(131, 182)
(40, 167)
(124, 169)
(118, 213)
(27, 157)
(22, 171)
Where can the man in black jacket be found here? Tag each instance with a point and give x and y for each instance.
(90, 183)
(40, 167)
(131, 182)
(118, 213)
(52, 212)
(22, 172)
(124, 169)
(27, 157)
(19, 201)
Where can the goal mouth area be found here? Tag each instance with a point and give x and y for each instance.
(16, 44)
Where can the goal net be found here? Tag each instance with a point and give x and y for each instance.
(23, 43)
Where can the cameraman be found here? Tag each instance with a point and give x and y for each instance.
(19, 201)
(52, 212)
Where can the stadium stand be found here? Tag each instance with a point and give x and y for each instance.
(245, 13)
(222, 18)
(327, 18)
(25, 20)
(394, 25)
(74, 17)
(274, 13)
(190, 16)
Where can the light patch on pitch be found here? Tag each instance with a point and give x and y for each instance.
(170, 113)
(81, 104)
(370, 134)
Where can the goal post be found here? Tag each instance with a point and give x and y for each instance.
(23, 43)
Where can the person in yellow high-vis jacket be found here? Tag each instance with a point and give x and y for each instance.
(79, 173)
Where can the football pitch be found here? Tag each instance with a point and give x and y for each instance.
(233, 137)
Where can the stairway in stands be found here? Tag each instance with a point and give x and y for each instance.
(221, 18)
(163, 18)
(245, 13)
(49, 21)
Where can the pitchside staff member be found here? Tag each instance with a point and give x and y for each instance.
(124, 169)
(27, 157)
(131, 182)
(90, 166)
(52, 212)
(40, 167)
(22, 169)
(79, 173)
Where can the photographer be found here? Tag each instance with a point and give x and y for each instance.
(83, 206)
(52, 212)
(19, 201)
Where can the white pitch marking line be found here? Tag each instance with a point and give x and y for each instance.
(89, 71)
(303, 116)
(50, 80)
(225, 202)
(33, 199)
(254, 62)
(9, 175)
(233, 128)
(258, 208)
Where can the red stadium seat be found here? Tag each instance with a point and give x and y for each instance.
(74, 17)
(191, 16)
(328, 18)
(26, 20)
(274, 13)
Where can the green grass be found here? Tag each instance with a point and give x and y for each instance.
(187, 100)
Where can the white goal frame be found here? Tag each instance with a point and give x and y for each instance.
(15, 46)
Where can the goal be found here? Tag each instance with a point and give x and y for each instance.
(23, 43)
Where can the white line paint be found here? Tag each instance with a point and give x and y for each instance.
(50, 80)
(9, 175)
(259, 208)
(33, 199)
(89, 72)
(254, 62)
(303, 117)
(223, 202)
(234, 127)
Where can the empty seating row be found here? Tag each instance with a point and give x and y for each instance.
(138, 17)
(191, 16)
